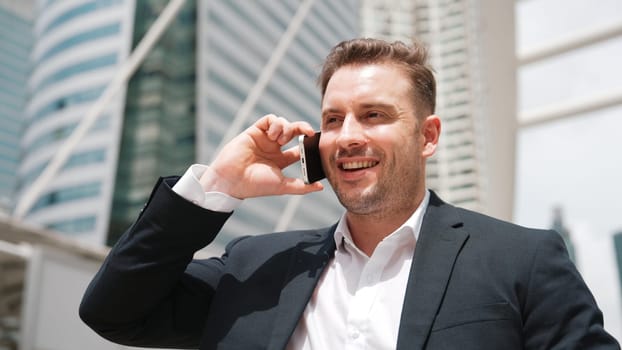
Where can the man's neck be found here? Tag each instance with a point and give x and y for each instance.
(368, 230)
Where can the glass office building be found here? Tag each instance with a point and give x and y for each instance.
(215, 57)
(238, 42)
(474, 67)
(186, 97)
(15, 45)
(157, 137)
(79, 45)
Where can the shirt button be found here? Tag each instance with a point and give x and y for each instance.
(354, 334)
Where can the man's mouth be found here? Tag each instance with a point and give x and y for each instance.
(358, 165)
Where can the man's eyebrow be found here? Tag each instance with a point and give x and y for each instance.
(379, 105)
(367, 105)
(329, 111)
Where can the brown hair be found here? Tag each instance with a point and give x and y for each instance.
(413, 59)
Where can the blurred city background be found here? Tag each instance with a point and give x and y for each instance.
(98, 98)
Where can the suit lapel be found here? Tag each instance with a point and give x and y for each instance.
(307, 264)
(439, 243)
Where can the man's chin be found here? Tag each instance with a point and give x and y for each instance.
(361, 201)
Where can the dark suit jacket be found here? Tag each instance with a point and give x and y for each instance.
(475, 283)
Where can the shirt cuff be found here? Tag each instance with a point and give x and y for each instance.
(190, 188)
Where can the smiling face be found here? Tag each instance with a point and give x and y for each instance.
(373, 146)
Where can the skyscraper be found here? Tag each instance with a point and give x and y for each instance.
(157, 136)
(239, 45)
(281, 43)
(78, 47)
(15, 44)
(217, 58)
(472, 52)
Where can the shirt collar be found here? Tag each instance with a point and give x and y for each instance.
(413, 224)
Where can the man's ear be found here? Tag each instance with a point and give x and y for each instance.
(431, 132)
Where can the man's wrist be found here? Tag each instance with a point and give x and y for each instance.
(206, 194)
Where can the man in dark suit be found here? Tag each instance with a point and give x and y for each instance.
(401, 269)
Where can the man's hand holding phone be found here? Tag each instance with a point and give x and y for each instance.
(251, 164)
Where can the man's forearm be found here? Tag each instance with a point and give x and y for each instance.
(144, 281)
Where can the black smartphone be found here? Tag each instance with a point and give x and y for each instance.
(310, 160)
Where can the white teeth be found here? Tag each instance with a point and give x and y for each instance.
(358, 165)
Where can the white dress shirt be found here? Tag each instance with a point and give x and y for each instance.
(358, 301)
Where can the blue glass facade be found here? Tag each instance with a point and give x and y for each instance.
(76, 69)
(81, 97)
(159, 129)
(68, 194)
(61, 133)
(158, 135)
(239, 39)
(81, 38)
(78, 159)
(15, 45)
(78, 11)
(78, 47)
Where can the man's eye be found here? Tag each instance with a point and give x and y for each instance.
(374, 115)
(330, 120)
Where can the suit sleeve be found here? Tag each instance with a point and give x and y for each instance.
(149, 291)
(560, 311)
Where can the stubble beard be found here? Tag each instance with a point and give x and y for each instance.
(394, 192)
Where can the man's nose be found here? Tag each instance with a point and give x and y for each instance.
(352, 133)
